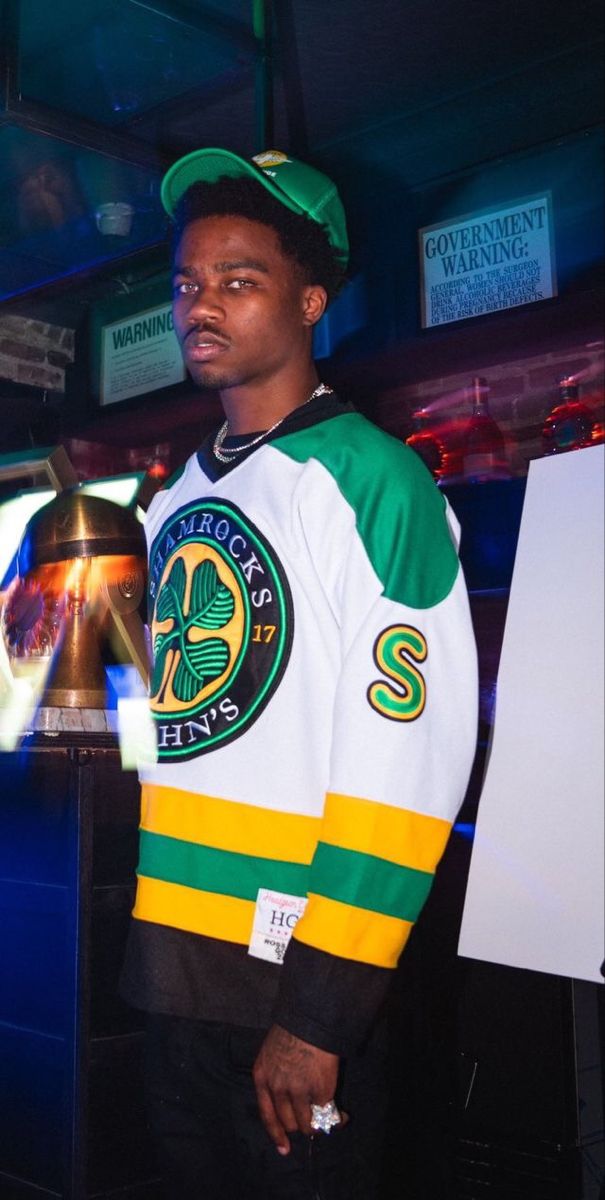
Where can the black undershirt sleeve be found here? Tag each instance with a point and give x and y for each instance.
(328, 1001)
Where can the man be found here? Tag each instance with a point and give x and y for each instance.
(314, 694)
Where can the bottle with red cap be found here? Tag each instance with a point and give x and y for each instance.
(570, 424)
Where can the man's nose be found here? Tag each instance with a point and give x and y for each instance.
(206, 303)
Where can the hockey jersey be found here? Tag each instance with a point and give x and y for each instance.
(314, 693)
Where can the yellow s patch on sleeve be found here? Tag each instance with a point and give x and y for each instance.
(403, 699)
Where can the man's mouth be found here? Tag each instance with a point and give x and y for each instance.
(202, 347)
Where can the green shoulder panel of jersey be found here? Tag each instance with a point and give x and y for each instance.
(400, 512)
(172, 479)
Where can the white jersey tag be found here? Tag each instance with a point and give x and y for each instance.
(275, 918)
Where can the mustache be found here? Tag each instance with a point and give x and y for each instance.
(197, 331)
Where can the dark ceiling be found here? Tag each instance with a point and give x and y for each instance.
(101, 95)
(398, 100)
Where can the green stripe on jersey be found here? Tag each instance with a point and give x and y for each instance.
(364, 881)
(221, 871)
(400, 512)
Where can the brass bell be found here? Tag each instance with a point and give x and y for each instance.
(81, 576)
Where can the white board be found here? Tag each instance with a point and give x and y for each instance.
(535, 895)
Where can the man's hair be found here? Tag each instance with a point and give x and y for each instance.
(301, 239)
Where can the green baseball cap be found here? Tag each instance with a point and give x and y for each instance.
(301, 188)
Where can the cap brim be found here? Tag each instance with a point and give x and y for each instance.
(206, 166)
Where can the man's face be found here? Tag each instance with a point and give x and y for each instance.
(241, 309)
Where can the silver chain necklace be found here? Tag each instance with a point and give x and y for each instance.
(226, 455)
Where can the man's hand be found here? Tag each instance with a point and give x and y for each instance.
(290, 1075)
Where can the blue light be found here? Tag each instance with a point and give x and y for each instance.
(465, 830)
(123, 682)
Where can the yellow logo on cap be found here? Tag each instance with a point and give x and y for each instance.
(270, 158)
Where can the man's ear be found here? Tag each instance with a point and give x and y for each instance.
(315, 302)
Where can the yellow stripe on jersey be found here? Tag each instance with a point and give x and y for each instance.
(352, 933)
(398, 835)
(223, 917)
(226, 825)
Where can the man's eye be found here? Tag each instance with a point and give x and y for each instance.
(185, 288)
(240, 284)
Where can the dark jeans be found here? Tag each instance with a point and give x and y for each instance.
(211, 1142)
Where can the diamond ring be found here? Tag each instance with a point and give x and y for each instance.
(324, 1116)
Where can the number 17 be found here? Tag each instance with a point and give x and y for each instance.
(263, 633)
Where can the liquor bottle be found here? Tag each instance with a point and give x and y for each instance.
(484, 451)
(570, 423)
(426, 443)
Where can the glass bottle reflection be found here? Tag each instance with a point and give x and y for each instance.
(484, 450)
(569, 425)
(427, 444)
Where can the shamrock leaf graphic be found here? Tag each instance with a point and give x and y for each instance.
(169, 606)
(172, 594)
(211, 606)
(203, 663)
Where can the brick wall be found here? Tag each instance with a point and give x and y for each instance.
(522, 393)
(35, 353)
